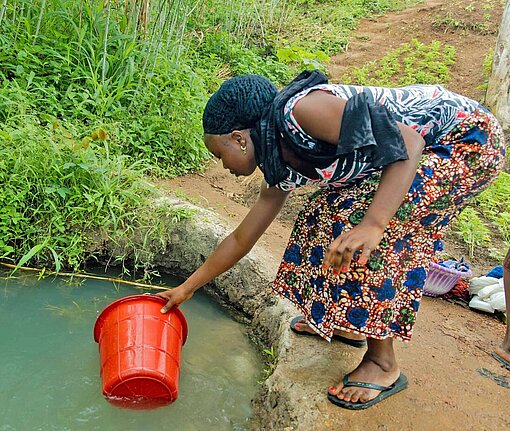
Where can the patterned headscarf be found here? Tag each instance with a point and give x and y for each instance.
(239, 104)
(252, 102)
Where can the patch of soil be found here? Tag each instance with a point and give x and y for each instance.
(470, 27)
(450, 350)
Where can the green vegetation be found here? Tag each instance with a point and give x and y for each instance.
(477, 19)
(449, 22)
(335, 19)
(411, 63)
(487, 68)
(96, 95)
(270, 362)
(490, 219)
(472, 230)
(59, 191)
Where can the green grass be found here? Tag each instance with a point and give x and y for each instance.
(494, 204)
(63, 193)
(411, 63)
(472, 230)
(487, 219)
(322, 25)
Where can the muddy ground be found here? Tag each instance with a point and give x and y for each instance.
(454, 382)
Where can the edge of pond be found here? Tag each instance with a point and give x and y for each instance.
(245, 290)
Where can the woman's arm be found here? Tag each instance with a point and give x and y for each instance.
(320, 115)
(233, 247)
(396, 179)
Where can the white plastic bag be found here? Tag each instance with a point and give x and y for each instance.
(478, 304)
(489, 290)
(478, 283)
(497, 301)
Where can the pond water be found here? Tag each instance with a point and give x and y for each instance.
(49, 363)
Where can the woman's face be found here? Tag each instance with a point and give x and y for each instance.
(229, 149)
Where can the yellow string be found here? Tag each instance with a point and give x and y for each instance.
(78, 275)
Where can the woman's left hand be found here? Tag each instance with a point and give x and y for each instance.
(365, 237)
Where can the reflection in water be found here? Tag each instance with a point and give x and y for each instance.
(49, 363)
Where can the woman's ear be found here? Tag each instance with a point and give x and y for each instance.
(239, 137)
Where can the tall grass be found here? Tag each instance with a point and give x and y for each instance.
(57, 191)
(93, 96)
(127, 66)
(139, 72)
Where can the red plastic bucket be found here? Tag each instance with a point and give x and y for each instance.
(140, 351)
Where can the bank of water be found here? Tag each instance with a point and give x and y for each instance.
(49, 363)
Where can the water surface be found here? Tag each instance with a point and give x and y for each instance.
(49, 363)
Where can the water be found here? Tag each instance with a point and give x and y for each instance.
(49, 363)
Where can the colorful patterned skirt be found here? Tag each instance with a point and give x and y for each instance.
(381, 299)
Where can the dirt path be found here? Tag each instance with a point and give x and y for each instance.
(466, 25)
(454, 381)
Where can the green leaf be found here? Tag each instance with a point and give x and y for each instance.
(31, 253)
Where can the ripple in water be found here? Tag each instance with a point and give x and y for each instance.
(49, 363)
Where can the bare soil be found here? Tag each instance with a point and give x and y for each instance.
(455, 383)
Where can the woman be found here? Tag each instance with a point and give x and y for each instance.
(396, 165)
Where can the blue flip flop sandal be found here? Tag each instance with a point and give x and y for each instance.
(354, 343)
(506, 364)
(386, 391)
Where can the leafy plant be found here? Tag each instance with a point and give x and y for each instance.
(303, 58)
(472, 230)
(487, 63)
(411, 63)
(270, 362)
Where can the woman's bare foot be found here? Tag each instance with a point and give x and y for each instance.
(378, 366)
(302, 326)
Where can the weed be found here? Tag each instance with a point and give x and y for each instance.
(449, 22)
(411, 63)
(336, 20)
(486, 217)
(487, 63)
(270, 362)
(302, 58)
(59, 193)
(494, 203)
(472, 230)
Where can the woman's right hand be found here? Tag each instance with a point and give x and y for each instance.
(232, 248)
(175, 297)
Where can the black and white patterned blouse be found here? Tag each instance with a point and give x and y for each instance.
(431, 110)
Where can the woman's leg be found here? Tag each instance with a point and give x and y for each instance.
(504, 349)
(378, 366)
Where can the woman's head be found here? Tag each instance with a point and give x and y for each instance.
(228, 117)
